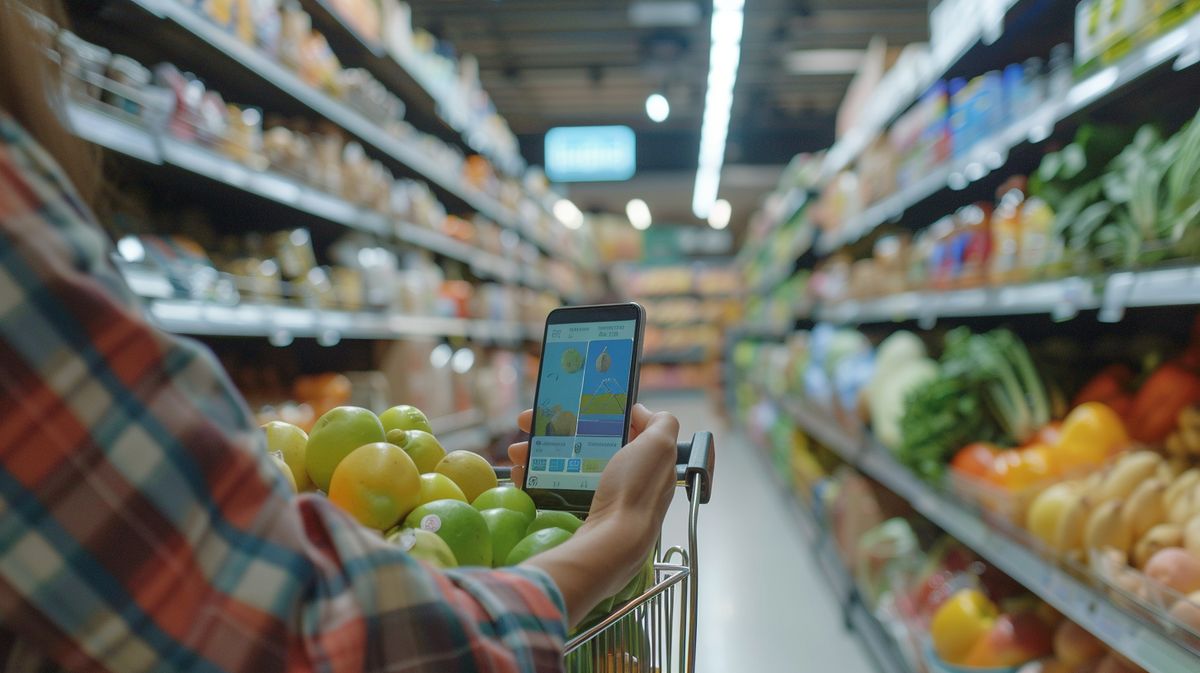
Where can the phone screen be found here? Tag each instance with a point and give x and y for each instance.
(581, 418)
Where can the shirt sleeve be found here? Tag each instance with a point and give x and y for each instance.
(142, 525)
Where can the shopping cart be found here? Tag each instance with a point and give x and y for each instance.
(656, 631)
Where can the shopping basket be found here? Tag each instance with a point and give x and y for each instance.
(656, 631)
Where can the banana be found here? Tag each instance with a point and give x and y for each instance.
(1106, 528)
(1069, 534)
(1167, 470)
(1131, 469)
(1175, 445)
(1185, 506)
(1145, 508)
(1180, 485)
(1191, 536)
(1159, 537)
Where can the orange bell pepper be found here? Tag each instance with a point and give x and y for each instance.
(1155, 410)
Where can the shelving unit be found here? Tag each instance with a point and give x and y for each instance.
(1181, 46)
(287, 322)
(263, 68)
(857, 617)
(1083, 604)
(1061, 299)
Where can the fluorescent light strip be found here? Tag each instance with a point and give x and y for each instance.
(723, 59)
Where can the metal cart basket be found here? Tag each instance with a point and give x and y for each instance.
(656, 631)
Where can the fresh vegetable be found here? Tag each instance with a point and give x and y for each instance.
(901, 366)
(976, 459)
(939, 417)
(1002, 366)
(1090, 433)
(1110, 386)
(1156, 407)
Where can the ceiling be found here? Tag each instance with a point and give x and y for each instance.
(586, 62)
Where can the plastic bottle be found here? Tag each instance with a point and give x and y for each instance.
(1006, 231)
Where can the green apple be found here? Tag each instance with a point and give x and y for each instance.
(424, 545)
(337, 433)
(639, 584)
(436, 486)
(536, 543)
(425, 450)
(507, 497)
(551, 519)
(460, 525)
(507, 528)
(405, 417)
(292, 443)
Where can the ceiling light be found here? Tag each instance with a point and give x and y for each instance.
(723, 58)
(823, 61)
(638, 213)
(658, 108)
(568, 213)
(719, 214)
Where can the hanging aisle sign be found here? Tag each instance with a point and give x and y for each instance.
(590, 153)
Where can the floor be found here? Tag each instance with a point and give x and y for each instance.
(763, 605)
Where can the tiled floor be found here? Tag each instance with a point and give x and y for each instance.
(763, 606)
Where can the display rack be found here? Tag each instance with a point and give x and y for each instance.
(1083, 604)
(273, 74)
(856, 615)
(1061, 299)
(283, 323)
(1180, 45)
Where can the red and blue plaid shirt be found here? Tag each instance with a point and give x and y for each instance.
(142, 527)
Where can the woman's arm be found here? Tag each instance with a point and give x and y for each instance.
(143, 527)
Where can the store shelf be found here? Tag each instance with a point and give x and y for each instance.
(283, 323)
(858, 618)
(132, 140)
(1181, 45)
(691, 356)
(1083, 604)
(1061, 299)
(276, 75)
(848, 148)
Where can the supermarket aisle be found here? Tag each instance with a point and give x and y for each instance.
(763, 605)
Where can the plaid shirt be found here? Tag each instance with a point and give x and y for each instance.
(142, 527)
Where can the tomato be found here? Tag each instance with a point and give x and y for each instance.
(1090, 433)
(975, 460)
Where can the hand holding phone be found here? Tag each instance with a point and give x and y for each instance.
(587, 386)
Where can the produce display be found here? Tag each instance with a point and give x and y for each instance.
(447, 509)
(1101, 472)
(945, 608)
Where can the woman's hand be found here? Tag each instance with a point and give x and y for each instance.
(627, 512)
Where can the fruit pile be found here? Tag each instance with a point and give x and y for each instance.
(391, 474)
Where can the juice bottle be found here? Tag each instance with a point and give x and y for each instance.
(1006, 231)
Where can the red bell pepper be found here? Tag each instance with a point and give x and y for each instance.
(1155, 410)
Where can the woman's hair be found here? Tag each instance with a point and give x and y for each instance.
(31, 90)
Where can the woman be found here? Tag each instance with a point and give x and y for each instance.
(143, 527)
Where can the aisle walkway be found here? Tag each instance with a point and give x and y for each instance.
(763, 606)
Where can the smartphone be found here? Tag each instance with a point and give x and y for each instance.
(586, 388)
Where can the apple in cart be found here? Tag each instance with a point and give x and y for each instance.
(507, 497)
(291, 442)
(536, 543)
(460, 525)
(422, 544)
(425, 450)
(405, 417)
(507, 528)
(335, 434)
(552, 519)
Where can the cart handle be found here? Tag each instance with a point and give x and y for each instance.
(696, 457)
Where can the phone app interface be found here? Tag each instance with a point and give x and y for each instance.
(582, 400)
